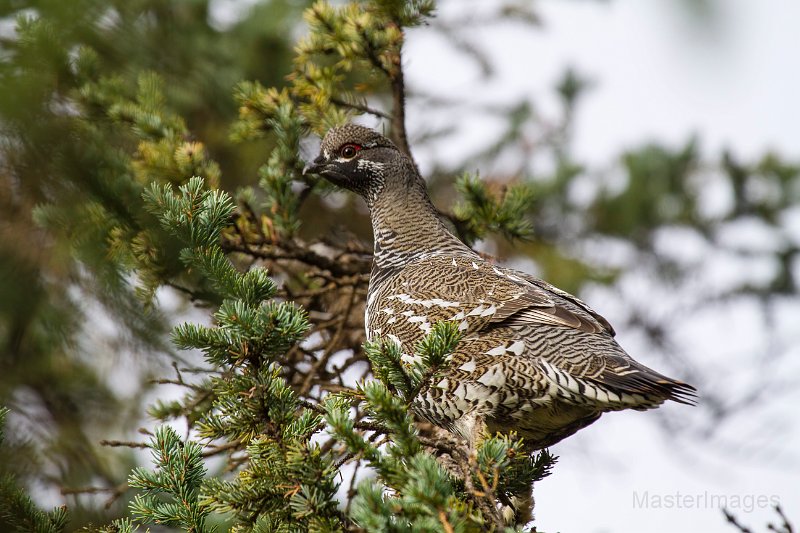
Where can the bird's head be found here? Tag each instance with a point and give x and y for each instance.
(359, 159)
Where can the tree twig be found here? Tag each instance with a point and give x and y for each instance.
(398, 131)
(361, 107)
(735, 523)
(123, 444)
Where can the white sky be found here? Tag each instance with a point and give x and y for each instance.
(659, 74)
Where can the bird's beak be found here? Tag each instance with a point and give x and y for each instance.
(315, 167)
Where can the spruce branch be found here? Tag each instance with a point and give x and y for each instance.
(170, 493)
(483, 211)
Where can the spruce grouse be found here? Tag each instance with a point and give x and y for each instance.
(533, 358)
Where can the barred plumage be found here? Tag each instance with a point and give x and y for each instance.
(533, 358)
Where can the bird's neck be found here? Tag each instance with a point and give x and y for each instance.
(407, 227)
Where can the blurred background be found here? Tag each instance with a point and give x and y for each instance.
(660, 138)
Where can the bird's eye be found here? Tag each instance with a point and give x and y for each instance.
(349, 151)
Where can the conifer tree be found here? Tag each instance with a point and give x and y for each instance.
(97, 98)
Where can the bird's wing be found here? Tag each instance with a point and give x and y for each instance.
(482, 295)
(625, 376)
(614, 377)
(566, 306)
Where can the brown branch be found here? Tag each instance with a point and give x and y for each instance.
(461, 462)
(448, 528)
(193, 296)
(310, 293)
(331, 345)
(85, 490)
(332, 387)
(312, 406)
(291, 251)
(398, 131)
(351, 490)
(216, 450)
(735, 523)
(372, 54)
(786, 526)
(355, 105)
(123, 444)
(397, 82)
(361, 107)
(371, 426)
(437, 444)
(116, 492)
(181, 383)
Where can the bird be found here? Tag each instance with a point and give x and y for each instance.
(533, 359)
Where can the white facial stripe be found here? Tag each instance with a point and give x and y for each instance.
(374, 166)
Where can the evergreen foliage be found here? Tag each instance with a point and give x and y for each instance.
(481, 212)
(180, 472)
(96, 100)
(285, 482)
(18, 513)
(460, 491)
(432, 353)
